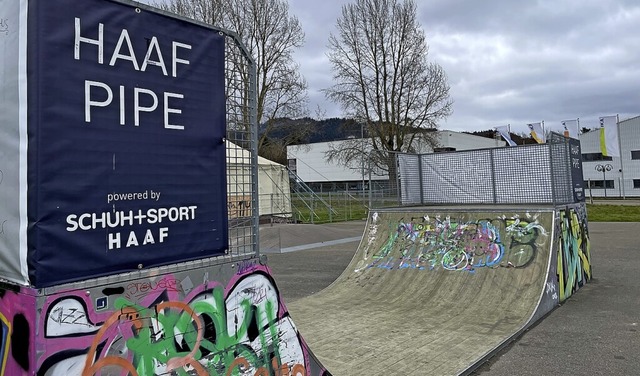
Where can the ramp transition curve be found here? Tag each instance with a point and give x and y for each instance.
(435, 291)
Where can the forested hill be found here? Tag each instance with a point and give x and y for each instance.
(312, 131)
(334, 129)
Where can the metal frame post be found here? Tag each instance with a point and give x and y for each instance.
(493, 176)
(420, 180)
(552, 171)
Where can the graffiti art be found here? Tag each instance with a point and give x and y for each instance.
(160, 325)
(458, 244)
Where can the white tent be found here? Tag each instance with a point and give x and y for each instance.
(274, 193)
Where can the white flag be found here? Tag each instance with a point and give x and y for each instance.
(537, 132)
(504, 132)
(571, 128)
(609, 142)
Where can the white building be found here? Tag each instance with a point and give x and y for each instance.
(310, 164)
(621, 177)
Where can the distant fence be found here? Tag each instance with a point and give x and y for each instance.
(548, 173)
(529, 174)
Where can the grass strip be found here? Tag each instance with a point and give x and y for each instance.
(613, 213)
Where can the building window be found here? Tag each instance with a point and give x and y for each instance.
(599, 184)
(589, 157)
(443, 150)
(636, 183)
(635, 154)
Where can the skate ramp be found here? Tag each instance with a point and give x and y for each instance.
(433, 291)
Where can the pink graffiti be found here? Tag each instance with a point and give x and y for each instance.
(136, 290)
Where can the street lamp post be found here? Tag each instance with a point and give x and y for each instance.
(604, 168)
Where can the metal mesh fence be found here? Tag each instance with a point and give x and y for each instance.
(454, 177)
(241, 146)
(410, 171)
(527, 174)
(560, 154)
(522, 175)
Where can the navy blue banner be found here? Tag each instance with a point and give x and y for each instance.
(577, 178)
(126, 153)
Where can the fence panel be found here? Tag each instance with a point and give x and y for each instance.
(523, 175)
(562, 171)
(409, 170)
(528, 174)
(463, 177)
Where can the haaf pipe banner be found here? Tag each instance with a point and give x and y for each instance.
(126, 126)
(577, 179)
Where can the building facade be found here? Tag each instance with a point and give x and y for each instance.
(310, 164)
(612, 177)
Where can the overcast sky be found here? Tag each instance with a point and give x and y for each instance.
(510, 62)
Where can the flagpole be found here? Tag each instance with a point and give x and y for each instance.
(624, 196)
(544, 134)
(578, 125)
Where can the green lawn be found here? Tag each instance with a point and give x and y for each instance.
(344, 209)
(613, 213)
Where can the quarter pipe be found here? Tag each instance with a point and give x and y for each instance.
(435, 291)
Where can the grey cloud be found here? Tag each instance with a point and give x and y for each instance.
(509, 61)
(522, 61)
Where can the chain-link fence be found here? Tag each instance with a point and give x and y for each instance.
(328, 207)
(331, 201)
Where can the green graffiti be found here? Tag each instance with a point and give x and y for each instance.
(574, 257)
(187, 338)
(388, 246)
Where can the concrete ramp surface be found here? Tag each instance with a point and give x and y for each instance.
(435, 291)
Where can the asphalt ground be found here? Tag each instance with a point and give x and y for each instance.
(595, 332)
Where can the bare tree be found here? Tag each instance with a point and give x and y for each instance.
(271, 36)
(207, 11)
(288, 132)
(383, 80)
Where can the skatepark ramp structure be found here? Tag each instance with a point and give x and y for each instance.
(436, 291)
(496, 239)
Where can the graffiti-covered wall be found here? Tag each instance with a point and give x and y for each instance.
(573, 250)
(227, 319)
(466, 241)
(457, 241)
